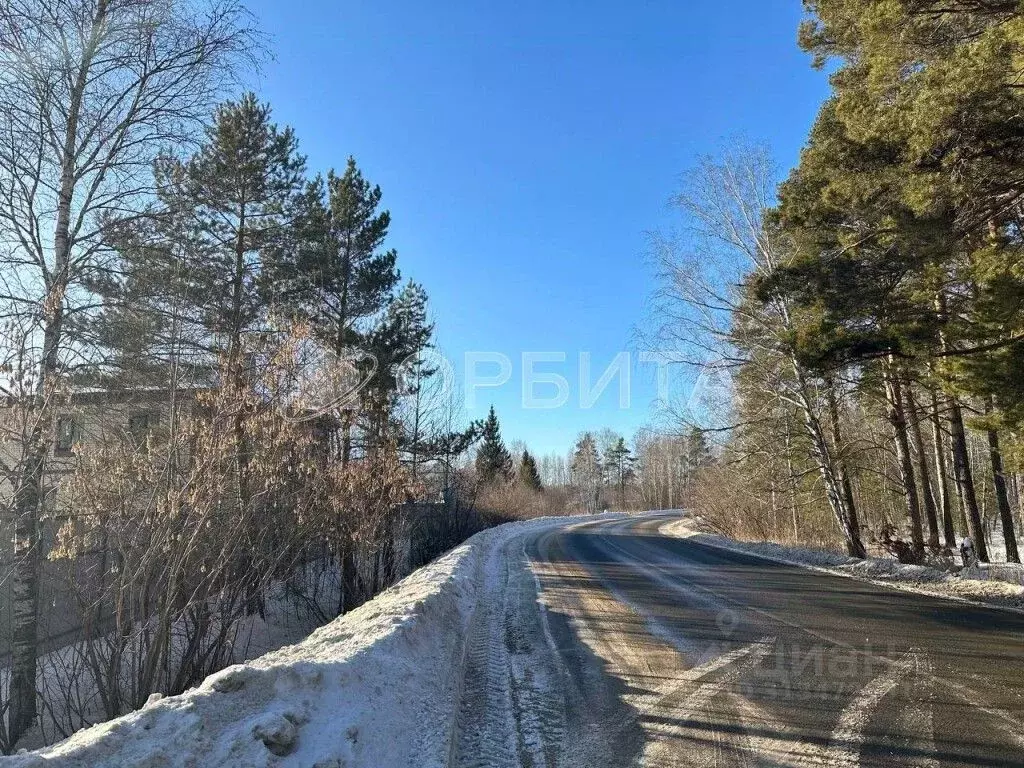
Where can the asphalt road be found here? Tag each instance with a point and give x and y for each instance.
(616, 645)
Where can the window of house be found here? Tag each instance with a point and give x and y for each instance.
(140, 425)
(67, 435)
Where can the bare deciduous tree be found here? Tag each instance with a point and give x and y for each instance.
(90, 90)
(707, 319)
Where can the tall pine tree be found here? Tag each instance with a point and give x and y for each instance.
(338, 278)
(193, 279)
(618, 460)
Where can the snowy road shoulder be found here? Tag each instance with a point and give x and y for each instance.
(887, 572)
(378, 686)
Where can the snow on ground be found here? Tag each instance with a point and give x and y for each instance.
(377, 687)
(66, 676)
(381, 686)
(1000, 584)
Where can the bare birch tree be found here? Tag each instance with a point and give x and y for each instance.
(90, 91)
(708, 321)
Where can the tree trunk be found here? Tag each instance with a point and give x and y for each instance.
(941, 476)
(831, 465)
(349, 579)
(416, 423)
(898, 420)
(339, 349)
(927, 493)
(29, 496)
(237, 375)
(962, 475)
(964, 479)
(792, 481)
(1002, 497)
(25, 593)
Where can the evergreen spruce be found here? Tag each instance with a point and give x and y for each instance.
(493, 461)
(528, 472)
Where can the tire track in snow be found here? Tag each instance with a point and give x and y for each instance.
(485, 734)
(538, 708)
(511, 713)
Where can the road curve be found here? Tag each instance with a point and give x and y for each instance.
(615, 645)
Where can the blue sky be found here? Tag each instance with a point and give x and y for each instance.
(524, 150)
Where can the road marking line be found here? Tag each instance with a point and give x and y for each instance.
(707, 690)
(848, 735)
(664, 748)
(758, 649)
(1010, 725)
(771, 750)
(920, 720)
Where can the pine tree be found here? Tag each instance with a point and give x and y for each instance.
(916, 261)
(493, 461)
(528, 473)
(938, 85)
(192, 283)
(338, 279)
(199, 262)
(618, 460)
(397, 344)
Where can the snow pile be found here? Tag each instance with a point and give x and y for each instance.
(1011, 573)
(377, 687)
(997, 584)
(881, 568)
(68, 687)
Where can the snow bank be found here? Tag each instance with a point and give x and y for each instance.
(997, 584)
(1011, 573)
(377, 687)
(68, 689)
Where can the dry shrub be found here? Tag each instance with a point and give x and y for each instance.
(236, 506)
(170, 545)
(723, 499)
(183, 535)
(365, 524)
(741, 507)
(504, 502)
(438, 527)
